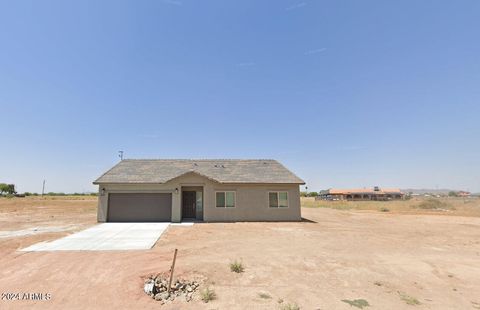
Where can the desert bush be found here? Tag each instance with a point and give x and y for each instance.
(207, 295)
(384, 209)
(264, 295)
(432, 204)
(409, 300)
(289, 306)
(358, 303)
(452, 194)
(237, 267)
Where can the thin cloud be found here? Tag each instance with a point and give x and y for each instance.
(245, 64)
(316, 51)
(296, 6)
(172, 2)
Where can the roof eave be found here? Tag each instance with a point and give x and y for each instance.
(139, 182)
(227, 182)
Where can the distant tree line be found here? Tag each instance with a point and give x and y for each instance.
(60, 194)
(8, 190)
(309, 194)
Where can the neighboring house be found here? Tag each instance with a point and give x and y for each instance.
(463, 194)
(138, 190)
(375, 193)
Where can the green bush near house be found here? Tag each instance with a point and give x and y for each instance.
(289, 306)
(237, 267)
(264, 296)
(409, 300)
(358, 303)
(207, 295)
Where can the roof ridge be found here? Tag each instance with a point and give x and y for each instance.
(234, 171)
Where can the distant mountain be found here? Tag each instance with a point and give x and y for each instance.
(441, 191)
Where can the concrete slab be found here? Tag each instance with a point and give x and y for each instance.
(106, 237)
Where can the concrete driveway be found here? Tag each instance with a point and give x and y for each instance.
(106, 236)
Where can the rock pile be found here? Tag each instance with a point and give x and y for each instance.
(156, 287)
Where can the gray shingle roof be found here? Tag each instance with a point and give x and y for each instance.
(221, 170)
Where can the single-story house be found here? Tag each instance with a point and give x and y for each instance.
(144, 190)
(375, 193)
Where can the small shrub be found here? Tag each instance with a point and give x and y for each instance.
(237, 267)
(289, 306)
(409, 300)
(433, 204)
(383, 209)
(207, 295)
(9, 195)
(358, 303)
(264, 296)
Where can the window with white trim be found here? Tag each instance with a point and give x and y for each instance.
(225, 199)
(278, 199)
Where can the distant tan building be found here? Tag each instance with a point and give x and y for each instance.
(375, 193)
(463, 194)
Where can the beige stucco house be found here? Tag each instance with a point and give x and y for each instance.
(138, 190)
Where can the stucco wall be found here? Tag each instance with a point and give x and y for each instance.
(251, 199)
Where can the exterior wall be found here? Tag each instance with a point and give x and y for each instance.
(251, 203)
(251, 200)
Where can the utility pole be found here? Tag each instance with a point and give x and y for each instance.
(120, 154)
(43, 188)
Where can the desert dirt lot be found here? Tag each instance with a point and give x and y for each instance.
(388, 259)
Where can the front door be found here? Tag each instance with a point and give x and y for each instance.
(188, 204)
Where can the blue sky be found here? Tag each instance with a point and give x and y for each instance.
(344, 93)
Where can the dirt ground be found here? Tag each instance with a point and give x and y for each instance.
(387, 259)
(469, 206)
